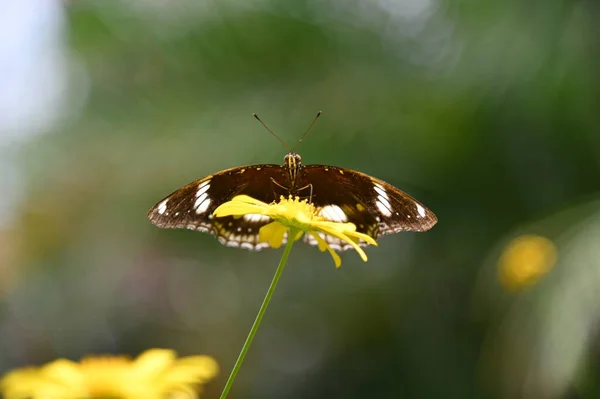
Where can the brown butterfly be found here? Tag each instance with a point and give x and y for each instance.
(339, 194)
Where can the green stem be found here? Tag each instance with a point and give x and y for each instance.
(259, 316)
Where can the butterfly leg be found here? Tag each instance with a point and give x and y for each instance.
(309, 185)
(275, 184)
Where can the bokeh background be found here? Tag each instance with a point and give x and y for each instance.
(487, 112)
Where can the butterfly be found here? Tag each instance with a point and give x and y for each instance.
(340, 195)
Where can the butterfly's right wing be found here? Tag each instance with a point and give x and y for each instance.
(372, 205)
(192, 206)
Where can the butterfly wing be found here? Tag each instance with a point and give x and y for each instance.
(374, 206)
(342, 195)
(192, 206)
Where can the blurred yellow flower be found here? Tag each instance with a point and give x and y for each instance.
(299, 215)
(155, 374)
(525, 260)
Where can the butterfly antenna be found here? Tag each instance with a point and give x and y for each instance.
(270, 131)
(307, 130)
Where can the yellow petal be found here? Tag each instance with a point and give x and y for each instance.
(181, 393)
(241, 205)
(273, 234)
(360, 236)
(154, 361)
(249, 200)
(63, 370)
(348, 229)
(324, 246)
(298, 235)
(32, 382)
(343, 237)
(21, 383)
(191, 370)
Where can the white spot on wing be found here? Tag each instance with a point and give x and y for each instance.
(380, 190)
(162, 207)
(383, 207)
(249, 241)
(421, 211)
(200, 200)
(203, 206)
(382, 202)
(203, 188)
(255, 218)
(202, 203)
(333, 213)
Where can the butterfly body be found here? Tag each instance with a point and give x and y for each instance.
(340, 195)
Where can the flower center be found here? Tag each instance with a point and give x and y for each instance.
(294, 211)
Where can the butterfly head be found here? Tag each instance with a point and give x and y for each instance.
(292, 161)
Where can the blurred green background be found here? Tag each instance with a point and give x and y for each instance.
(487, 112)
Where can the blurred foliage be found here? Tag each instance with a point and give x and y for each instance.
(485, 111)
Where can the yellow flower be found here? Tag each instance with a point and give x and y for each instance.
(525, 260)
(297, 215)
(155, 374)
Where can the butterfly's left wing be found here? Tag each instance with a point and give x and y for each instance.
(374, 206)
(192, 206)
